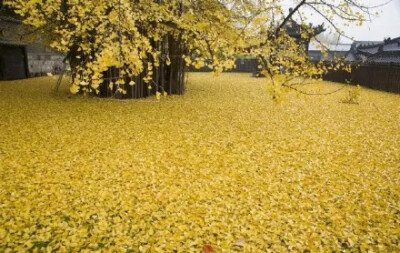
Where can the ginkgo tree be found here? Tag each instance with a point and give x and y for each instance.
(136, 48)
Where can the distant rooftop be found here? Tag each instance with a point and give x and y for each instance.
(337, 47)
(385, 58)
(367, 43)
(4, 18)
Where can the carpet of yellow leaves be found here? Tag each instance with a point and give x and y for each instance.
(222, 166)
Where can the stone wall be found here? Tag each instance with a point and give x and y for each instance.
(41, 60)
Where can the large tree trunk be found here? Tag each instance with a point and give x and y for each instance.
(170, 79)
(175, 83)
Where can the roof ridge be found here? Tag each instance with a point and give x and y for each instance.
(10, 19)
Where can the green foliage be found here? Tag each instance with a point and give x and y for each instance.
(222, 167)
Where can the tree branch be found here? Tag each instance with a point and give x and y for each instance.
(288, 17)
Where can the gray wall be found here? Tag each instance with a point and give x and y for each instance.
(40, 60)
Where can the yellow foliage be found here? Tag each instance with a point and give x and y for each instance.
(136, 37)
(74, 89)
(222, 168)
(354, 95)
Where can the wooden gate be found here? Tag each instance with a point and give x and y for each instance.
(13, 62)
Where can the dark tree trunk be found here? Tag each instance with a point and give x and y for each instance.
(175, 72)
(170, 79)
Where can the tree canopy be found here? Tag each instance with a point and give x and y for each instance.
(137, 36)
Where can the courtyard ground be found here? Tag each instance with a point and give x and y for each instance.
(223, 167)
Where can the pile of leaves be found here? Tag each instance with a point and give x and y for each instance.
(222, 168)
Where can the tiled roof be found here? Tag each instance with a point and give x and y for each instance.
(363, 44)
(294, 29)
(316, 55)
(391, 45)
(332, 47)
(11, 43)
(371, 50)
(4, 18)
(374, 52)
(12, 29)
(385, 57)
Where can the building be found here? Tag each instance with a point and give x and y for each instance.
(375, 52)
(334, 52)
(360, 52)
(13, 61)
(296, 30)
(387, 53)
(21, 58)
(375, 64)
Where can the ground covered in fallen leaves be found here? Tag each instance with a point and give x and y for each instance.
(223, 166)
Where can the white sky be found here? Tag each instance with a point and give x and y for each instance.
(387, 24)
